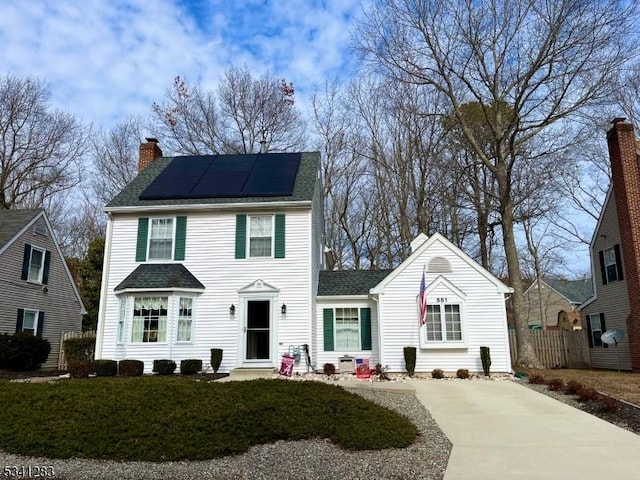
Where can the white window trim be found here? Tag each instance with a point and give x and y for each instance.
(177, 319)
(335, 329)
(443, 300)
(607, 265)
(595, 316)
(41, 271)
(273, 235)
(168, 328)
(121, 332)
(173, 239)
(36, 316)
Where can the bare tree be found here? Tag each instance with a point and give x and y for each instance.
(241, 113)
(115, 158)
(40, 147)
(546, 60)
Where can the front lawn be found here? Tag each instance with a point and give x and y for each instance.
(167, 419)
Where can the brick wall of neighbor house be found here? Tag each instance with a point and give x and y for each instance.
(148, 153)
(625, 177)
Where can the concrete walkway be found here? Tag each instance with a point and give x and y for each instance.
(503, 430)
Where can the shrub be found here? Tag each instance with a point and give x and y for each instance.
(329, 369)
(555, 384)
(536, 379)
(23, 351)
(216, 359)
(572, 387)
(437, 373)
(190, 366)
(79, 348)
(608, 404)
(381, 372)
(485, 356)
(80, 368)
(105, 368)
(462, 373)
(164, 367)
(587, 394)
(410, 359)
(131, 368)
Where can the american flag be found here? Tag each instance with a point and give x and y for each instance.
(422, 302)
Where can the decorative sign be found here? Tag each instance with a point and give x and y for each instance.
(286, 367)
(362, 368)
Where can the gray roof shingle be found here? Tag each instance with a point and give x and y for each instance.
(349, 282)
(160, 275)
(303, 187)
(11, 221)
(576, 291)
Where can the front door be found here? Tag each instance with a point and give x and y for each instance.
(258, 331)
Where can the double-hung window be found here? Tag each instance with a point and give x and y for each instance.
(260, 235)
(595, 324)
(149, 323)
(611, 264)
(185, 319)
(35, 264)
(347, 329)
(161, 239)
(443, 323)
(30, 322)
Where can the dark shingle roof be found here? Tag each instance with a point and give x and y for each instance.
(160, 275)
(576, 291)
(11, 221)
(349, 282)
(303, 187)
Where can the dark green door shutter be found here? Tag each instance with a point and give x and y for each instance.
(327, 314)
(279, 236)
(365, 328)
(141, 245)
(241, 235)
(181, 237)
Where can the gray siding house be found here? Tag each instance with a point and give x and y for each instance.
(37, 292)
(556, 298)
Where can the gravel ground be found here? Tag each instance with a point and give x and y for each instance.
(427, 458)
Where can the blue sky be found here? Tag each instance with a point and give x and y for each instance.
(104, 60)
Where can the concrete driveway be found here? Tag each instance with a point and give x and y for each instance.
(503, 430)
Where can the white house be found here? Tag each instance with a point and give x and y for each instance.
(226, 251)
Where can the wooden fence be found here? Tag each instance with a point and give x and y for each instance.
(62, 362)
(556, 348)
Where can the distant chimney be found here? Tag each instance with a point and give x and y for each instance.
(148, 153)
(625, 179)
(263, 146)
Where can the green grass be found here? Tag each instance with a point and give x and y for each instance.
(169, 419)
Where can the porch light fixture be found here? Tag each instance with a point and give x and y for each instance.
(284, 309)
(232, 309)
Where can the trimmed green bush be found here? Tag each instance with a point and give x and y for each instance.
(79, 348)
(216, 359)
(485, 356)
(80, 368)
(410, 359)
(164, 367)
(105, 368)
(437, 373)
(23, 351)
(131, 368)
(329, 369)
(190, 366)
(462, 373)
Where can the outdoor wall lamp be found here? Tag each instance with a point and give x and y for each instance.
(232, 309)
(284, 309)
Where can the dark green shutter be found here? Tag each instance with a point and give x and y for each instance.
(40, 324)
(181, 237)
(20, 320)
(47, 263)
(25, 261)
(327, 314)
(241, 235)
(365, 328)
(141, 245)
(279, 236)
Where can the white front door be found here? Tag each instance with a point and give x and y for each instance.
(258, 333)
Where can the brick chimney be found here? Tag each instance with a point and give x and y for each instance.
(625, 178)
(148, 153)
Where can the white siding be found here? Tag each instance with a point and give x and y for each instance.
(316, 260)
(323, 357)
(210, 257)
(484, 320)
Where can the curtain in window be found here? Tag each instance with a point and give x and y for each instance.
(260, 236)
(149, 319)
(184, 319)
(347, 329)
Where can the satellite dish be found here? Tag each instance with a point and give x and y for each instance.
(612, 337)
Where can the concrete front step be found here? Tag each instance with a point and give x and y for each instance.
(250, 373)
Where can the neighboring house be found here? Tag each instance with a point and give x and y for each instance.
(227, 251)
(37, 292)
(615, 253)
(560, 300)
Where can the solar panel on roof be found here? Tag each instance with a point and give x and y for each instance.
(225, 176)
